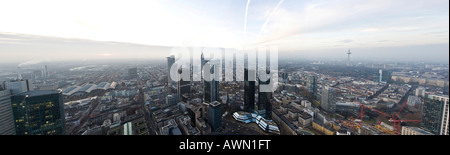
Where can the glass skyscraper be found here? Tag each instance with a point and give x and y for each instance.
(38, 113)
(311, 84)
(211, 88)
(249, 92)
(328, 99)
(435, 114)
(215, 115)
(264, 100)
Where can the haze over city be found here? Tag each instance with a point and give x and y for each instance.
(51, 30)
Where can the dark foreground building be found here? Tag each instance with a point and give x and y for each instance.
(38, 113)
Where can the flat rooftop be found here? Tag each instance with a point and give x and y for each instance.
(38, 93)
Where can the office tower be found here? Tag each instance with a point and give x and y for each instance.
(211, 87)
(264, 99)
(202, 59)
(6, 115)
(183, 87)
(132, 72)
(284, 76)
(18, 86)
(38, 113)
(435, 114)
(311, 84)
(46, 71)
(170, 62)
(328, 100)
(382, 76)
(215, 115)
(249, 92)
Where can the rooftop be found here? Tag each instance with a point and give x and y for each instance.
(39, 93)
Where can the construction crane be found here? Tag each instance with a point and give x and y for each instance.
(394, 119)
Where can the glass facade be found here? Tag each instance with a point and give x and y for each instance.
(264, 99)
(249, 93)
(38, 113)
(432, 115)
(311, 84)
(215, 115)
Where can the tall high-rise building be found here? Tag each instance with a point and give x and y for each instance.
(202, 59)
(38, 113)
(328, 100)
(249, 91)
(264, 99)
(183, 87)
(6, 114)
(435, 114)
(46, 71)
(18, 86)
(311, 84)
(284, 76)
(215, 115)
(211, 87)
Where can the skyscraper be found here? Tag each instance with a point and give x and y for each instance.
(249, 92)
(382, 76)
(311, 84)
(215, 115)
(170, 62)
(6, 115)
(264, 99)
(328, 100)
(183, 87)
(211, 87)
(38, 113)
(435, 114)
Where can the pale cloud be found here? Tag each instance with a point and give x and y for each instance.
(320, 24)
(291, 25)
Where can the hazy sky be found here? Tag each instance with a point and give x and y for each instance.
(292, 25)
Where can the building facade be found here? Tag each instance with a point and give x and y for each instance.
(328, 99)
(215, 115)
(249, 91)
(6, 114)
(435, 114)
(311, 84)
(264, 100)
(211, 87)
(18, 86)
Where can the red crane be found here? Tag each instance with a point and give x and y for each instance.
(394, 119)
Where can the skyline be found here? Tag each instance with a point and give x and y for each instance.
(49, 30)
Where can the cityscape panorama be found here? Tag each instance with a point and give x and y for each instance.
(201, 67)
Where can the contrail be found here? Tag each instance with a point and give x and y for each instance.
(245, 20)
(270, 16)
